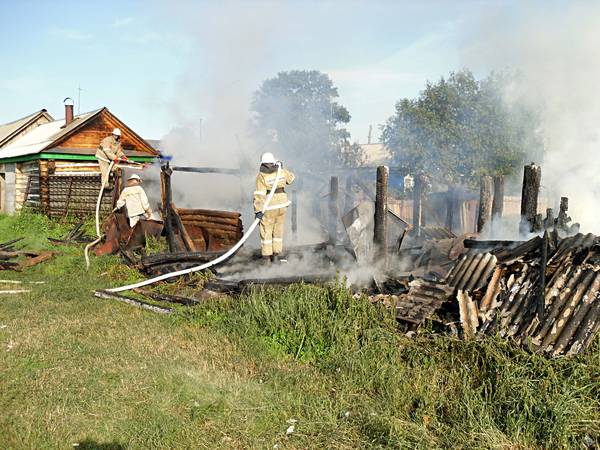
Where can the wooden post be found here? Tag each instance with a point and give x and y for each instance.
(485, 202)
(532, 176)
(166, 194)
(563, 218)
(498, 202)
(294, 215)
(333, 209)
(379, 237)
(549, 220)
(417, 197)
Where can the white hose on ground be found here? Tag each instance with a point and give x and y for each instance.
(215, 261)
(91, 244)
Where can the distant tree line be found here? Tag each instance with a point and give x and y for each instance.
(457, 129)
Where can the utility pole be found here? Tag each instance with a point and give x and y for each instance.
(79, 99)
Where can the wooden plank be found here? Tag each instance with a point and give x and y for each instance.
(133, 302)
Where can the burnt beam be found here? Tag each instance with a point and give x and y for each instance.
(532, 176)
(485, 202)
(381, 194)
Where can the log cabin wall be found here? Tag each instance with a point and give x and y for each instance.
(72, 188)
(27, 185)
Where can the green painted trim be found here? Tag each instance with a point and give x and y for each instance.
(67, 157)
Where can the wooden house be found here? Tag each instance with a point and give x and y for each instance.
(49, 165)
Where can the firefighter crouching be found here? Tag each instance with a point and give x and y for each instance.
(135, 200)
(273, 220)
(110, 150)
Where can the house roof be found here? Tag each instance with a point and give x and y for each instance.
(52, 134)
(11, 129)
(43, 136)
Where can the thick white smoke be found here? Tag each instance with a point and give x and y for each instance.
(555, 46)
(230, 50)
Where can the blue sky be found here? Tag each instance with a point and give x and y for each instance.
(158, 64)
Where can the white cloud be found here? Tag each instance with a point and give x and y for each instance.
(371, 89)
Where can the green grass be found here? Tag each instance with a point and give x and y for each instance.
(233, 373)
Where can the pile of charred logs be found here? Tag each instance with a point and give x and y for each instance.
(544, 293)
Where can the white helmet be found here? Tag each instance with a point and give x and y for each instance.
(267, 158)
(135, 176)
(116, 132)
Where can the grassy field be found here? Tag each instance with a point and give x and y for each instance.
(303, 367)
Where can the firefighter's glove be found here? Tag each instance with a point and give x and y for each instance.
(259, 215)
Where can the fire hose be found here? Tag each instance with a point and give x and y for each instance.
(98, 202)
(215, 261)
(91, 244)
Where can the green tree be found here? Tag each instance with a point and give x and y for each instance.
(298, 118)
(461, 128)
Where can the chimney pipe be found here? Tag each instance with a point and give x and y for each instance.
(68, 110)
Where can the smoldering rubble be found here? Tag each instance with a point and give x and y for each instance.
(540, 291)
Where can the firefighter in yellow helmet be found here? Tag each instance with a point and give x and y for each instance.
(135, 200)
(110, 150)
(273, 220)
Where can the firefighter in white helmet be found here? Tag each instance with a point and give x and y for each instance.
(110, 150)
(273, 220)
(135, 200)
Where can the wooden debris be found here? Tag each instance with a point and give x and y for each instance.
(132, 301)
(40, 258)
(188, 301)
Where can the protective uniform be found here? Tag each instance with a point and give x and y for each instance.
(136, 201)
(272, 224)
(108, 150)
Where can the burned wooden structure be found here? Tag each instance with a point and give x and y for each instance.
(197, 230)
(543, 294)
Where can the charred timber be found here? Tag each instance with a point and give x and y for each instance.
(485, 203)
(166, 258)
(381, 219)
(188, 301)
(532, 176)
(498, 201)
(165, 178)
(487, 244)
(132, 302)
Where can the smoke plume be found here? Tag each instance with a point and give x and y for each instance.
(555, 48)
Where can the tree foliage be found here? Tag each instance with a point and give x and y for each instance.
(298, 118)
(461, 128)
